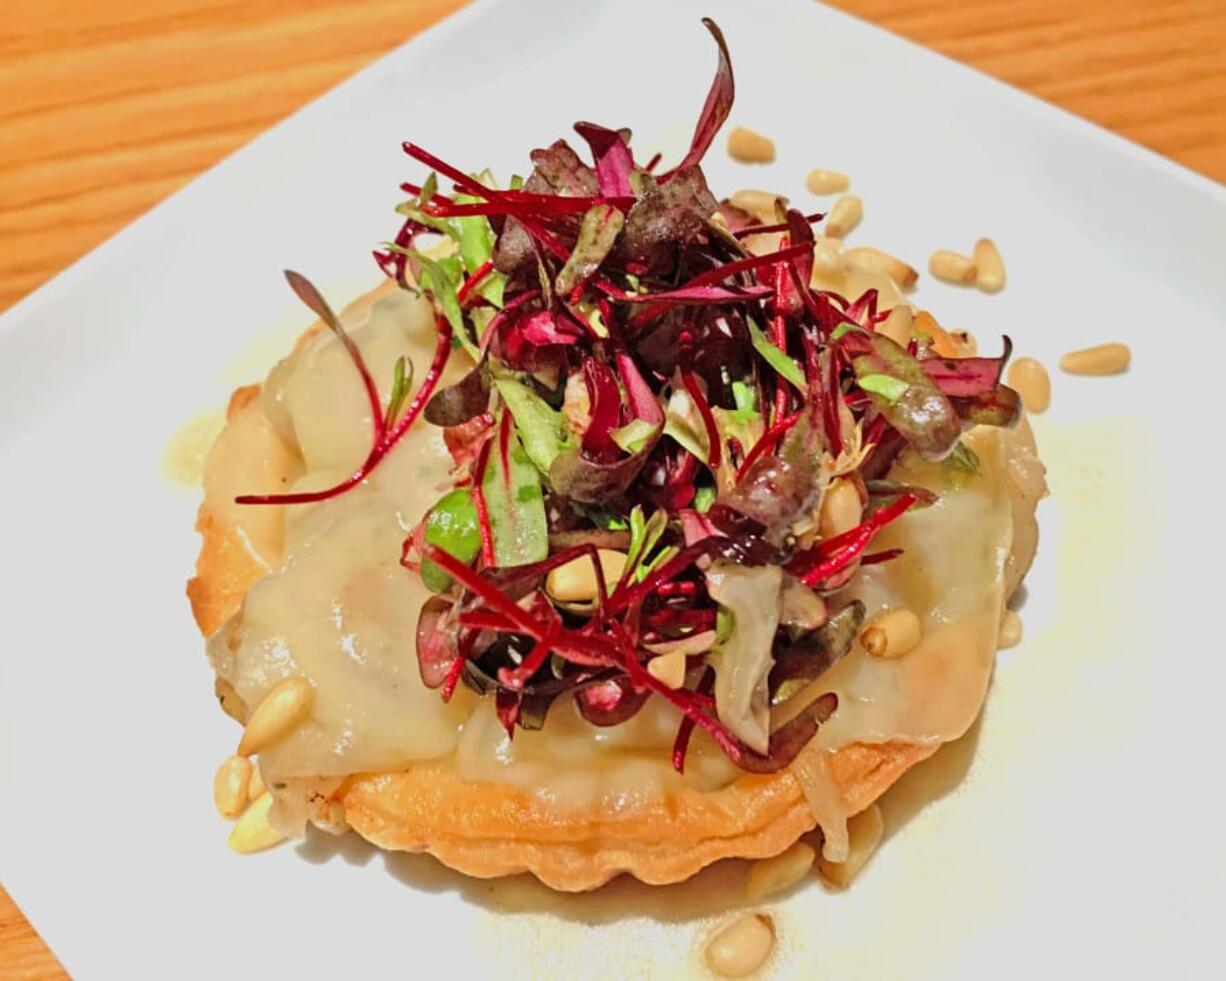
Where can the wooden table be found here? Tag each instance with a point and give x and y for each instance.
(106, 108)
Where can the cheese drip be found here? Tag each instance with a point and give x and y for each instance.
(952, 575)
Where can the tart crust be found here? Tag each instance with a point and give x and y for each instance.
(487, 829)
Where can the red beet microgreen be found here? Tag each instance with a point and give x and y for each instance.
(603, 309)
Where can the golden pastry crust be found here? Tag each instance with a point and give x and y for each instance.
(487, 829)
(225, 568)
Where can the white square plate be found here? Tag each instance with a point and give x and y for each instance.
(1076, 832)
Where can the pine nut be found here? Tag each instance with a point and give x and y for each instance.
(897, 326)
(1010, 630)
(841, 508)
(230, 786)
(989, 266)
(749, 147)
(779, 873)
(1106, 359)
(893, 634)
(967, 342)
(741, 947)
(948, 344)
(760, 204)
(874, 260)
(575, 582)
(827, 182)
(943, 342)
(668, 668)
(1031, 380)
(256, 786)
(844, 216)
(864, 835)
(951, 267)
(253, 831)
(826, 258)
(576, 405)
(281, 711)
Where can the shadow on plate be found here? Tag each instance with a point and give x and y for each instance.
(716, 890)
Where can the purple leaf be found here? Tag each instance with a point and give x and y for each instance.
(559, 170)
(787, 741)
(665, 219)
(458, 403)
(613, 160)
(810, 655)
(643, 402)
(1002, 406)
(967, 377)
(606, 405)
(719, 103)
(588, 482)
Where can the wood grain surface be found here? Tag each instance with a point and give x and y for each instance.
(106, 108)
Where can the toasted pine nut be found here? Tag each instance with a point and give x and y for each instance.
(874, 260)
(864, 835)
(943, 342)
(253, 831)
(742, 946)
(230, 786)
(1106, 359)
(951, 267)
(892, 634)
(576, 404)
(844, 216)
(1030, 379)
(989, 266)
(827, 182)
(841, 508)
(575, 582)
(749, 147)
(256, 785)
(782, 871)
(1010, 630)
(897, 326)
(760, 204)
(668, 668)
(967, 341)
(283, 709)
(826, 258)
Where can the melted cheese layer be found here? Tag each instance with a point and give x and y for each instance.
(337, 608)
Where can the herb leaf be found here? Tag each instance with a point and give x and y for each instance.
(515, 501)
(402, 380)
(452, 526)
(784, 365)
(887, 386)
(633, 436)
(599, 230)
(441, 278)
(540, 425)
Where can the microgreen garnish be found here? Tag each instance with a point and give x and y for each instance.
(889, 388)
(635, 378)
